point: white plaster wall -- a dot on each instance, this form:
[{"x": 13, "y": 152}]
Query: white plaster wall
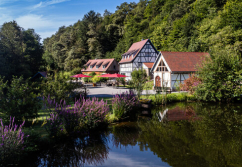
[{"x": 166, "y": 77}]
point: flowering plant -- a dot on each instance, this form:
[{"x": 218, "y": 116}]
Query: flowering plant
[
  {"x": 70, "y": 119},
  {"x": 124, "y": 103},
  {"x": 190, "y": 84},
  {"x": 11, "y": 139}
]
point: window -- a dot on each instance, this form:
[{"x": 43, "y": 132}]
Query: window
[
  {"x": 91, "y": 66},
  {"x": 104, "y": 66},
  {"x": 114, "y": 67},
  {"x": 97, "y": 66}
]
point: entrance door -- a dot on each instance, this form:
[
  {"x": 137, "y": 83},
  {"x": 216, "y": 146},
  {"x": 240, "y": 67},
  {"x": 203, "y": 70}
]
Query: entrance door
[{"x": 157, "y": 81}]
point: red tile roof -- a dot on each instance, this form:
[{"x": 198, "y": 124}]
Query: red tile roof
[
  {"x": 149, "y": 65},
  {"x": 99, "y": 62},
  {"x": 134, "y": 49},
  {"x": 183, "y": 61}
]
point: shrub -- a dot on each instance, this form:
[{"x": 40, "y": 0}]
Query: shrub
[
  {"x": 11, "y": 140},
  {"x": 86, "y": 79},
  {"x": 85, "y": 114},
  {"x": 221, "y": 77},
  {"x": 158, "y": 99},
  {"x": 139, "y": 77},
  {"x": 174, "y": 97},
  {"x": 18, "y": 99},
  {"x": 58, "y": 87},
  {"x": 123, "y": 103},
  {"x": 190, "y": 84},
  {"x": 149, "y": 85},
  {"x": 96, "y": 79},
  {"x": 121, "y": 80}
]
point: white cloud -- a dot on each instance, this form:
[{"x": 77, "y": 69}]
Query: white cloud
[
  {"x": 43, "y": 26},
  {"x": 116, "y": 159},
  {"x": 6, "y": 1},
  {"x": 47, "y": 3},
  {"x": 5, "y": 18}
]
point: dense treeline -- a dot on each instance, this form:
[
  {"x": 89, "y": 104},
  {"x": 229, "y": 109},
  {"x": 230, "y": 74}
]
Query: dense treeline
[
  {"x": 172, "y": 25},
  {"x": 20, "y": 51}
]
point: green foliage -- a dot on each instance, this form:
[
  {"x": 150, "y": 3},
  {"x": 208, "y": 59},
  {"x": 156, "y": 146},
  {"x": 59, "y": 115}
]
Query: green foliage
[
  {"x": 121, "y": 80},
  {"x": 20, "y": 51},
  {"x": 59, "y": 87},
  {"x": 190, "y": 84},
  {"x": 221, "y": 77},
  {"x": 174, "y": 97},
  {"x": 149, "y": 85},
  {"x": 19, "y": 99},
  {"x": 96, "y": 79},
  {"x": 172, "y": 25},
  {"x": 139, "y": 77}
]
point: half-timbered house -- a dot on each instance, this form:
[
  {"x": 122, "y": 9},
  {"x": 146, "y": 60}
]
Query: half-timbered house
[
  {"x": 139, "y": 53},
  {"x": 172, "y": 68}
]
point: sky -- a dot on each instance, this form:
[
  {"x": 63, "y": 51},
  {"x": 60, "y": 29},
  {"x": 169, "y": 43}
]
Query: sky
[{"x": 46, "y": 16}]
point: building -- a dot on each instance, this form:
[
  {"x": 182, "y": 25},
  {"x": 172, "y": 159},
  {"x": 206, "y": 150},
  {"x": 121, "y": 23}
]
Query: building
[
  {"x": 147, "y": 67},
  {"x": 100, "y": 66},
  {"x": 172, "y": 68},
  {"x": 139, "y": 53},
  {"x": 39, "y": 75}
]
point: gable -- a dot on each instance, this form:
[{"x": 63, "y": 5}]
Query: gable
[
  {"x": 147, "y": 54},
  {"x": 160, "y": 65},
  {"x": 136, "y": 48}
]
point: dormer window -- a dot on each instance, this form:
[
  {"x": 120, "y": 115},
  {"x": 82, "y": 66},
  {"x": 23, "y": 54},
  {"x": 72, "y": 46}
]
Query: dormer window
[
  {"x": 125, "y": 57},
  {"x": 104, "y": 67},
  {"x": 91, "y": 66},
  {"x": 97, "y": 66},
  {"x": 132, "y": 55}
]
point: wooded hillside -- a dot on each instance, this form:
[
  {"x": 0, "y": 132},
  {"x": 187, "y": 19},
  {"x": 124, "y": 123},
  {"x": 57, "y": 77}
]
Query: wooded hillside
[{"x": 171, "y": 25}]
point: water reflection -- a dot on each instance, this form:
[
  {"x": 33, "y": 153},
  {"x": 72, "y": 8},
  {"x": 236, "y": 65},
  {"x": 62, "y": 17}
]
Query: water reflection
[
  {"x": 213, "y": 140},
  {"x": 178, "y": 135},
  {"x": 92, "y": 150},
  {"x": 176, "y": 113}
]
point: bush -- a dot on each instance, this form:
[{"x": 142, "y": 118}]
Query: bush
[
  {"x": 157, "y": 99},
  {"x": 19, "y": 99},
  {"x": 139, "y": 77},
  {"x": 221, "y": 77},
  {"x": 59, "y": 87},
  {"x": 121, "y": 80},
  {"x": 174, "y": 97},
  {"x": 96, "y": 79},
  {"x": 149, "y": 85},
  {"x": 11, "y": 140},
  {"x": 190, "y": 84},
  {"x": 123, "y": 103},
  {"x": 85, "y": 114},
  {"x": 86, "y": 79}
]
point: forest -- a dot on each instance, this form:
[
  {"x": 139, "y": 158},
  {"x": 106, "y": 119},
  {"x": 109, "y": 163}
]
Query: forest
[{"x": 171, "y": 25}]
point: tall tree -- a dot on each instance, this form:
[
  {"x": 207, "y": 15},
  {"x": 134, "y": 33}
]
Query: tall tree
[{"x": 20, "y": 51}]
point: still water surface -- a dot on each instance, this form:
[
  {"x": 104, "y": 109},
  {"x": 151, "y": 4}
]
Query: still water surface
[{"x": 179, "y": 135}]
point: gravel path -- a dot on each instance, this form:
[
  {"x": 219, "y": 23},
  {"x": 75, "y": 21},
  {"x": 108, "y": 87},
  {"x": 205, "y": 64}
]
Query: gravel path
[{"x": 103, "y": 91}]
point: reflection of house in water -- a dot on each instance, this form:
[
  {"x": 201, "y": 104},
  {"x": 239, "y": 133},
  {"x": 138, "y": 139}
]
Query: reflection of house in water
[{"x": 178, "y": 114}]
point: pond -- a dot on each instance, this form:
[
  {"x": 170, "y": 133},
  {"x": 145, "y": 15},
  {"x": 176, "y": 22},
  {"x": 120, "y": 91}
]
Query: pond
[{"x": 180, "y": 134}]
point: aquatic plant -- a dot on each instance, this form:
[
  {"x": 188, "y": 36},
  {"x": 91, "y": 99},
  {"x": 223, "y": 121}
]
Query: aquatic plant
[
  {"x": 11, "y": 139},
  {"x": 123, "y": 103}
]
